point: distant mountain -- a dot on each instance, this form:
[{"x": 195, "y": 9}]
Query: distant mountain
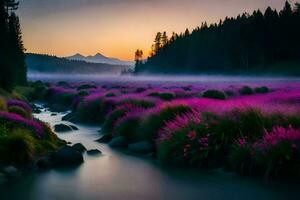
[
  {"x": 99, "y": 58},
  {"x": 52, "y": 64}
]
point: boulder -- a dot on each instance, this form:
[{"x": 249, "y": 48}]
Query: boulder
[
  {"x": 66, "y": 156},
  {"x": 74, "y": 128},
  {"x": 67, "y": 116},
  {"x": 71, "y": 117},
  {"x": 118, "y": 142},
  {"x": 62, "y": 128},
  {"x": 79, "y": 147},
  {"x": 10, "y": 171},
  {"x": 54, "y": 114},
  {"x": 94, "y": 152},
  {"x": 44, "y": 163},
  {"x": 105, "y": 139},
  {"x": 144, "y": 147}
]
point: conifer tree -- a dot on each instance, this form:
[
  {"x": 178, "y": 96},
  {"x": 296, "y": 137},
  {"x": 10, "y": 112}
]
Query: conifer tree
[
  {"x": 164, "y": 39},
  {"x": 12, "y": 57}
]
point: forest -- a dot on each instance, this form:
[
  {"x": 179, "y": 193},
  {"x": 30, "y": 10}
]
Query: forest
[
  {"x": 12, "y": 58},
  {"x": 52, "y": 64},
  {"x": 260, "y": 42}
]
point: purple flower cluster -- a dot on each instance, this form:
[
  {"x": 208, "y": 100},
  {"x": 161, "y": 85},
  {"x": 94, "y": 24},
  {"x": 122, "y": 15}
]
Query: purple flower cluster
[
  {"x": 271, "y": 139},
  {"x": 277, "y": 135},
  {"x": 22, "y": 104},
  {"x": 17, "y": 120},
  {"x": 188, "y": 120},
  {"x": 134, "y": 113}
]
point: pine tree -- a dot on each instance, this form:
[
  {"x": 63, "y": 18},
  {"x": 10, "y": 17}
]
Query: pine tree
[
  {"x": 187, "y": 32},
  {"x": 17, "y": 53},
  {"x": 157, "y": 43},
  {"x": 164, "y": 39},
  {"x": 287, "y": 10},
  {"x": 12, "y": 57},
  {"x": 138, "y": 57},
  {"x": 4, "y": 62}
]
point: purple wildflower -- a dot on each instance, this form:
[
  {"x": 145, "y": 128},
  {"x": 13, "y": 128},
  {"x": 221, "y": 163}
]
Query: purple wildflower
[
  {"x": 37, "y": 127},
  {"x": 19, "y": 103}
]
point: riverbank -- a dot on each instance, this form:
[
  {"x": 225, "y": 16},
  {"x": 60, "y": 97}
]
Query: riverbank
[
  {"x": 28, "y": 144},
  {"x": 115, "y": 175}
]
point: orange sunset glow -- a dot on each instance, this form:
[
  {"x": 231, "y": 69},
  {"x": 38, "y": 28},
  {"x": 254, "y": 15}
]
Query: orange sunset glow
[{"x": 117, "y": 28}]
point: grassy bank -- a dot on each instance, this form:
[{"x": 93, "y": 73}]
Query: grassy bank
[{"x": 22, "y": 137}]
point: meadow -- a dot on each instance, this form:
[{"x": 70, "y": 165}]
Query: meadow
[{"x": 251, "y": 129}]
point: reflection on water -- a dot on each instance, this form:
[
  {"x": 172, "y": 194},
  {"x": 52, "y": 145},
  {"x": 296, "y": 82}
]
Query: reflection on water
[{"x": 115, "y": 175}]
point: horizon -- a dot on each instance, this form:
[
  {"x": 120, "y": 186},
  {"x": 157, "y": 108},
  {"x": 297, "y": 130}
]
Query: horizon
[{"x": 52, "y": 27}]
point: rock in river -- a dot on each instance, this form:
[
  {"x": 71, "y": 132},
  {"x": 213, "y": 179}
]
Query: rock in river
[
  {"x": 79, "y": 147},
  {"x": 105, "y": 138},
  {"x": 44, "y": 163},
  {"x": 62, "y": 128},
  {"x": 118, "y": 142},
  {"x": 93, "y": 152},
  {"x": 144, "y": 147},
  {"x": 71, "y": 117},
  {"x": 66, "y": 156},
  {"x": 74, "y": 128}
]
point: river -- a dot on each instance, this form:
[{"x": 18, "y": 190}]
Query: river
[{"x": 117, "y": 175}]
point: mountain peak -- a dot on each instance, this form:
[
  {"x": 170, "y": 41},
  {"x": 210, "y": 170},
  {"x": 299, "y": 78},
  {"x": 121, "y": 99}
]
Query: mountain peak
[
  {"x": 100, "y": 58},
  {"x": 99, "y": 55},
  {"x": 78, "y": 54}
]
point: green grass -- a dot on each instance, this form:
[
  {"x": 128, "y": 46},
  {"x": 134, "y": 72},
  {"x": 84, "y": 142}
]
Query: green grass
[
  {"x": 23, "y": 92},
  {"x": 17, "y": 147},
  {"x": 167, "y": 96},
  {"x": 214, "y": 94},
  {"x": 154, "y": 122},
  {"x": 246, "y": 90},
  {"x": 3, "y": 106},
  {"x": 20, "y": 111}
]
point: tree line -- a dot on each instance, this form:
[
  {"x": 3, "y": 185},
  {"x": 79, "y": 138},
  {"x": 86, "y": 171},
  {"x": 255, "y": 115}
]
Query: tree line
[
  {"x": 12, "y": 58},
  {"x": 258, "y": 42},
  {"x": 39, "y": 63}
]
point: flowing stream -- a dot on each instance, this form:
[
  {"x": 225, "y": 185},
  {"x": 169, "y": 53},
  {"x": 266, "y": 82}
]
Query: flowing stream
[{"x": 117, "y": 175}]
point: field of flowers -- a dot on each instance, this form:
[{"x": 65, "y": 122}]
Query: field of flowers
[{"x": 252, "y": 129}]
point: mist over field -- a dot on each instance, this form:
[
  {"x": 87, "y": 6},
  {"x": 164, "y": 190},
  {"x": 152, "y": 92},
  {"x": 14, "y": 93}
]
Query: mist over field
[{"x": 158, "y": 78}]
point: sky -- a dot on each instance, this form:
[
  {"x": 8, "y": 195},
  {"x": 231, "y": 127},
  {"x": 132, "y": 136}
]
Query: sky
[{"x": 116, "y": 28}]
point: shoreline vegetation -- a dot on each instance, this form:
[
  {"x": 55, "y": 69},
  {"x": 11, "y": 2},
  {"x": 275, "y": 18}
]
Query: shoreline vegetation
[
  {"x": 25, "y": 142},
  {"x": 252, "y": 130}
]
